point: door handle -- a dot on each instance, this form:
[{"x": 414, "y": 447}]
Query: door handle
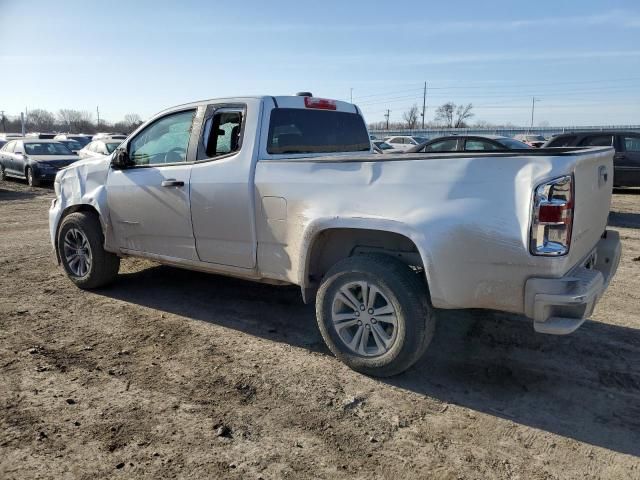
[{"x": 172, "y": 182}]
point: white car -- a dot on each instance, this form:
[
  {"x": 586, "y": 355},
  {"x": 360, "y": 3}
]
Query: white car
[
  {"x": 286, "y": 190},
  {"x": 404, "y": 142},
  {"x": 103, "y": 135},
  {"x": 99, "y": 148},
  {"x": 532, "y": 140}
]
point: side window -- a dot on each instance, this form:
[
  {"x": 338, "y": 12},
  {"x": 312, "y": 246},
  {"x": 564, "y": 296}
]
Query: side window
[
  {"x": 221, "y": 134},
  {"x": 442, "y": 146},
  {"x": 164, "y": 141},
  {"x": 598, "y": 141},
  {"x": 9, "y": 147},
  {"x": 18, "y": 147},
  {"x": 477, "y": 144},
  {"x": 395, "y": 140},
  {"x": 631, "y": 143},
  {"x": 562, "y": 141}
]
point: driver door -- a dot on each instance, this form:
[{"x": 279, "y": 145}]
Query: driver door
[{"x": 149, "y": 201}]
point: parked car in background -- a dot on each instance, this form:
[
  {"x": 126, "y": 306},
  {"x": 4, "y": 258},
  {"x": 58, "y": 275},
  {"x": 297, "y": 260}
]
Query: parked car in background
[
  {"x": 72, "y": 145},
  {"x": 2, "y": 143},
  {"x": 81, "y": 138},
  {"x": 285, "y": 190},
  {"x": 469, "y": 143},
  {"x": 36, "y": 160},
  {"x": 98, "y": 148},
  {"x": 99, "y": 136},
  {"x": 626, "y": 161},
  {"x": 43, "y": 136},
  {"x": 380, "y": 146},
  {"x": 404, "y": 142},
  {"x": 530, "y": 139},
  {"x": 9, "y": 136}
]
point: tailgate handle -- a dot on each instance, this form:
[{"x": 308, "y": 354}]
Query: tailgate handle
[
  {"x": 603, "y": 176},
  {"x": 172, "y": 182}
]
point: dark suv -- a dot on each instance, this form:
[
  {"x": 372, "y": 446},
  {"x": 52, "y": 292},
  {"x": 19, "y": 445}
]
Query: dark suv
[{"x": 626, "y": 162}]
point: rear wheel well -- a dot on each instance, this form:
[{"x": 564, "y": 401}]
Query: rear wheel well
[{"x": 332, "y": 245}]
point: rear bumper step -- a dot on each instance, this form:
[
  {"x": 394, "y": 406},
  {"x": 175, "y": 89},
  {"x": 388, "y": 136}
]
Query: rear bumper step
[{"x": 559, "y": 306}]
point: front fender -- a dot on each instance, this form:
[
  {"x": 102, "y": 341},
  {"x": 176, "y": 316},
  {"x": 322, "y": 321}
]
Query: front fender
[{"x": 82, "y": 186}]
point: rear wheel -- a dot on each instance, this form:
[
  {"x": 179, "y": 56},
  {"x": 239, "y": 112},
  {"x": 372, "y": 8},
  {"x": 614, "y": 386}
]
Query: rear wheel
[
  {"x": 81, "y": 251},
  {"x": 374, "y": 314},
  {"x": 3, "y": 172},
  {"x": 31, "y": 180}
]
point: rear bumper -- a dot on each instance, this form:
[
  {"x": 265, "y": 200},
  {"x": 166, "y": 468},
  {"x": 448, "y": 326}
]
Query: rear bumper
[{"x": 560, "y": 305}]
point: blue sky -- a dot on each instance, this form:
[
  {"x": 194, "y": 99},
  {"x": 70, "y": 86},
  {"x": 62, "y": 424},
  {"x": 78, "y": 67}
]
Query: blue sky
[{"x": 581, "y": 59}]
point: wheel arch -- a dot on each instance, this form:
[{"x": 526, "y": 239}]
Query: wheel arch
[
  {"x": 329, "y": 242},
  {"x": 81, "y": 207}
]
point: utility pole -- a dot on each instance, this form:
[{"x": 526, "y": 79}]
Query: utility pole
[
  {"x": 98, "y": 113},
  {"x": 4, "y": 126},
  {"x": 387, "y": 117},
  {"x": 533, "y": 108},
  {"x": 22, "y": 121},
  {"x": 424, "y": 103},
  {"x": 351, "y": 96}
]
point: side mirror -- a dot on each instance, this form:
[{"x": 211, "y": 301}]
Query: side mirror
[{"x": 120, "y": 159}]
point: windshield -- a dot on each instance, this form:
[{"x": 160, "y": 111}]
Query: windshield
[
  {"x": 383, "y": 146},
  {"x": 81, "y": 140},
  {"x": 512, "y": 143},
  {"x": 111, "y": 146},
  {"x": 50, "y": 148},
  {"x": 420, "y": 139},
  {"x": 297, "y": 130}
]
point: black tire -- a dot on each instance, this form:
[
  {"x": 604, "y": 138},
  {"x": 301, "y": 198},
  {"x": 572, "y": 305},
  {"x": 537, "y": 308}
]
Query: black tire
[
  {"x": 3, "y": 172},
  {"x": 31, "y": 180},
  {"x": 407, "y": 294},
  {"x": 104, "y": 265}
]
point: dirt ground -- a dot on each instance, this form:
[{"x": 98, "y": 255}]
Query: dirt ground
[{"x": 175, "y": 374}]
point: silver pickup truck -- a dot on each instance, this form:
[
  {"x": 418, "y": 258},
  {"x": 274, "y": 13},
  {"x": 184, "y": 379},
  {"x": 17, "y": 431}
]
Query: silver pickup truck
[{"x": 286, "y": 190}]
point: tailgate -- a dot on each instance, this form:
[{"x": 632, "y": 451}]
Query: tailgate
[{"x": 593, "y": 175}]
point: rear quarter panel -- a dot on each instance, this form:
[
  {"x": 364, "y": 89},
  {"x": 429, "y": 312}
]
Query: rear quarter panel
[{"x": 468, "y": 216}]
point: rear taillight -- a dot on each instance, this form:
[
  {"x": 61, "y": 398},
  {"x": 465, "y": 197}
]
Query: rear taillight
[
  {"x": 552, "y": 217},
  {"x": 320, "y": 103}
]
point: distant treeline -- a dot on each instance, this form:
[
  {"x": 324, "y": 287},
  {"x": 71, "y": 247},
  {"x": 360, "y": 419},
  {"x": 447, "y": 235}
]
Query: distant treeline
[{"x": 68, "y": 121}]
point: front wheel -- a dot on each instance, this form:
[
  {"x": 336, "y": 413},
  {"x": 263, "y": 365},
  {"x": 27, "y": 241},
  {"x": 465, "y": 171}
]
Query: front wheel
[
  {"x": 32, "y": 181},
  {"x": 374, "y": 314},
  {"x": 81, "y": 251}
]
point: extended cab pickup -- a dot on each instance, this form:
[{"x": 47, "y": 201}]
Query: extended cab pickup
[{"x": 286, "y": 190}]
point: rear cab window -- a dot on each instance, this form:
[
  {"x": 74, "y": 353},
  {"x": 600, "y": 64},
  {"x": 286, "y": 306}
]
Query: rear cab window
[{"x": 295, "y": 131}]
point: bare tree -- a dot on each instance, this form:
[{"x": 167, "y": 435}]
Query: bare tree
[
  {"x": 40, "y": 120},
  {"x": 410, "y": 117},
  {"x": 444, "y": 114},
  {"x": 133, "y": 120},
  {"x": 76, "y": 121},
  {"x": 463, "y": 112}
]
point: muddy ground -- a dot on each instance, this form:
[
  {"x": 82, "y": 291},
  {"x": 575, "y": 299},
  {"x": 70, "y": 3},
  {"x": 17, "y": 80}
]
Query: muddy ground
[{"x": 175, "y": 374}]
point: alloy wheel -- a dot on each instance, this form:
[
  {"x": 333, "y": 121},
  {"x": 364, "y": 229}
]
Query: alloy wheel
[{"x": 364, "y": 319}]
